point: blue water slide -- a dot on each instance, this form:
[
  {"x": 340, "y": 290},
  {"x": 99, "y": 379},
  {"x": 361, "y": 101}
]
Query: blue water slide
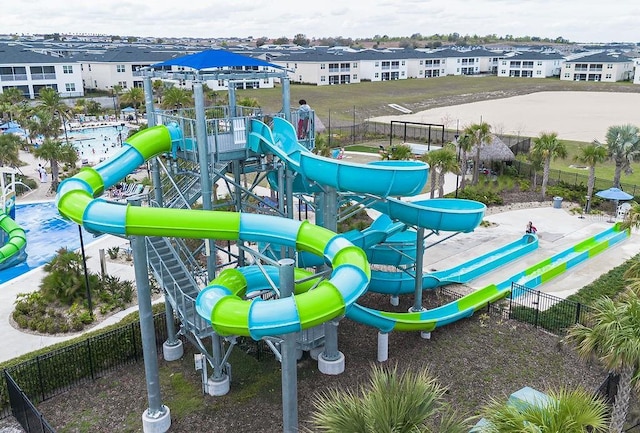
[
  {"x": 397, "y": 283},
  {"x": 382, "y": 178},
  {"x": 531, "y": 277}
]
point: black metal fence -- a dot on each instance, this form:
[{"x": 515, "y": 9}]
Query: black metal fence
[
  {"x": 46, "y": 376},
  {"x": 542, "y": 310},
  {"x": 365, "y": 132},
  {"x": 24, "y": 411},
  {"x": 572, "y": 178}
]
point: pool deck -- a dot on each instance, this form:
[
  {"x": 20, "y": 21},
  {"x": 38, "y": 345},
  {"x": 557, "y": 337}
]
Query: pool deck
[{"x": 558, "y": 229}]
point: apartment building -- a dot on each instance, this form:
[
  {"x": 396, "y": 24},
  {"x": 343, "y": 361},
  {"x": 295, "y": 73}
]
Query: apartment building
[
  {"x": 531, "y": 65},
  {"x": 31, "y": 72},
  {"x": 608, "y": 67}
]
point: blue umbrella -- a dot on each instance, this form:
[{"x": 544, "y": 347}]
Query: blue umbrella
[{"x": 614, "y": 194}]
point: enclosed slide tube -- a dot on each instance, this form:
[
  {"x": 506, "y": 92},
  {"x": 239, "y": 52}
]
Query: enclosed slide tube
[
  {"x": 14, "y": 249},
  {"x": 229, "y": 314},
  {"x": 532, "y": 277}
]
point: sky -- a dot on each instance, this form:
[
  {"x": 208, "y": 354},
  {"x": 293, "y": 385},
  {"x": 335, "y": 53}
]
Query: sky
[{"x": 577, "y": 21}]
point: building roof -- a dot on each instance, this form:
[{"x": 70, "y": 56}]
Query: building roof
[
  {"x": 17, "y": 54},
  {"x": 601, "y": 58},
  {"x": 531, "y": 55},
  {"x": 128, "y": 55}
]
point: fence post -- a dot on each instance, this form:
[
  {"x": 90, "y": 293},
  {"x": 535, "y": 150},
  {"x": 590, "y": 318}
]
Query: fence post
[
  {"x": 537, "y": 304},
  {"x": 90, "y": 359},
  {"x": 40, "y": 378},
  {"x": 133, "y": 341},
  {"x": 577, "y": 313}
]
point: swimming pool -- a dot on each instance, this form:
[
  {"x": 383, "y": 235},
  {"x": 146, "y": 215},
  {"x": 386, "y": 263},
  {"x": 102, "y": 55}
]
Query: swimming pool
[
  {"x": 97, "y": 144},
  {"x": 46, "y": 232}
]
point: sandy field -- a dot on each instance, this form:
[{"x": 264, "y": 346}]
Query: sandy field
[{"x": 580, "y": 116}]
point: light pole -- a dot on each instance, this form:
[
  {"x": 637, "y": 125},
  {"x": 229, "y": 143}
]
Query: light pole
[
  {"x": 458, "y": 161},
  {"x": 119, "y": 128}
]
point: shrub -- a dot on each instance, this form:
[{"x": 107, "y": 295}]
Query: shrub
[{"x": 113, "y": 252}]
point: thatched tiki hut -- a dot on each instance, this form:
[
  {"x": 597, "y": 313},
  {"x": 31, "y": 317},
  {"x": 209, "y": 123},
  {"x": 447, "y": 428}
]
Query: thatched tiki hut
[{"x": 493, "y": 154}]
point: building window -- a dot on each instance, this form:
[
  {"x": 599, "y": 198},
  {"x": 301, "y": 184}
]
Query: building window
[
  {"x": 120, "y": 68},
  {"x": 376, "y": 75},
  {"x": 402, "y": 73},
  {"x": 538, "y": 72},
  {"x": 355, "y": 65},
  {"x": 323, "y": 78},
  {"x": 567, "y": 75},
  {"x": 355, "y": 76},
  {"x": 299, "y": 77},
  {"x": 568, "y": 65},
  {"x": 608, "y": 76},
  {"x": 403, "y": 63},
  {"x": 421, "y": 62},
  {"x": 67, "y": 69},
  {"x": 539, "y": 62},
  {"x": 609, "y": 65},
  {"x": 322, "y": 66},
  {"x": 122, "y": 84},
  {"x": 503, "y": 72},
  {"x": 70, "y": 87},
  {"x": 376, "y": 64}
]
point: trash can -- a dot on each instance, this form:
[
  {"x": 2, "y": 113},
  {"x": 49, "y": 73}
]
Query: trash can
[{"x": 557, "y": 202}]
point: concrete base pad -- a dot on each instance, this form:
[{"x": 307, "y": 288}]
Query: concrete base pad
[
  {"x": 172, "y": 352},
  {"x": 158, "y": 424},
  {"x": 218, "y": 387},
  {"x": 333, "y": 367}
]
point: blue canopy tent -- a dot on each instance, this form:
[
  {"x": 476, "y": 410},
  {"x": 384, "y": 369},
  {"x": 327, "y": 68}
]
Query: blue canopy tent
[
  {"x": 615, "y": 194},
  {"x": 209, "y": 59}
]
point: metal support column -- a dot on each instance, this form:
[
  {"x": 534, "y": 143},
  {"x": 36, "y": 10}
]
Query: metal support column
[
  {"x": 417, "y": 296},
  {"x": 203, "y": 159},
  {"x": 289, "y": 356},
  {"x": 157, "y": 415},
  {"x": 151, "y": 121},
  {"x": 286, "y": 96}
]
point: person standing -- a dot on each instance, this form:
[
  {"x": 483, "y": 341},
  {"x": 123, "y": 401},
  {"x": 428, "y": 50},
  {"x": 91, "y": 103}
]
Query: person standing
[{"x": 304, "y": 112}]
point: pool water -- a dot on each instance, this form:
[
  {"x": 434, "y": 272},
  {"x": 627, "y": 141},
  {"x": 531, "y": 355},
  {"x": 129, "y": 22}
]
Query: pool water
[
  {"x": 46, "y": 232},
  {"x": 96, "y": 144}
]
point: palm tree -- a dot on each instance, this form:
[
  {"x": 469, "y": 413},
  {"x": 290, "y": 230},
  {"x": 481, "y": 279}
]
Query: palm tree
[
  {"x": 10, "y": 150},
  {"x": 135, "y": 97},
  {"x": 591, "y": 155},
  {"x": 441, "y": 162},
  {"x": 393, "y": 401},
  {"x": 116, "y": 91},
  {"x": 50, "y": 101},
  {"x": 400, "y": 152},
  {"x": 175, "y": 97},
  {"x": 465, "y": 143},
  {"x": 564, "y": 411},
  {"x": 480, "y": 135},
  {"x": 56, "y": 152},
  {"x": 43, "y": 122},
  {"x": 548, "y": 147},
  {"x": 614, "y": 338},
  {"x": 9, "y": 99},
  {"x": 623, "y": 146}
]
